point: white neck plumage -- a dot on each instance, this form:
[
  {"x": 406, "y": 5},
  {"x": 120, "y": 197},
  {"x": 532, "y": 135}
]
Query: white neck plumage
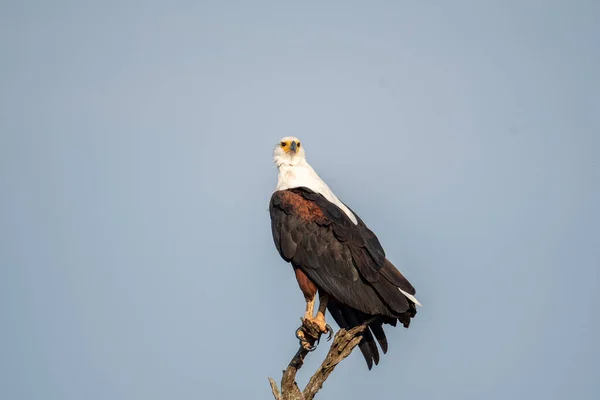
[{"x": 298, "y": 173}]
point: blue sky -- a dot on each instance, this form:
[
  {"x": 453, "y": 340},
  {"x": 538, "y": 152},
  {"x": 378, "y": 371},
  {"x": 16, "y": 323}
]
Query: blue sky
[{"x": 135, "y": 170}]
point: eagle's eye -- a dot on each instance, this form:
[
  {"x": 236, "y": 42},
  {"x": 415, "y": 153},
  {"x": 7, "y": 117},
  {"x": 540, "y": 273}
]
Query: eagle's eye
[
  {"x": 298, "y": 144},
  {"x": 283, "y": 144}
]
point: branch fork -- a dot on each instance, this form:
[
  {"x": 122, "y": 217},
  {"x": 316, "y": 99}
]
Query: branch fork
[{"x": 343, "y": 343}]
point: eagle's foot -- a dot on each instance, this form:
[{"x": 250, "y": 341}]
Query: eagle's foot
[
  {"x": 324, "y": 327},
  {"x": 309, "y": 334},
  {"x": 307, "y": 343}
]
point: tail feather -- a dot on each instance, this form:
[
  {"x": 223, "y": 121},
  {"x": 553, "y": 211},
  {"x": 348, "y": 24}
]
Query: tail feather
[
  {"x": 377, "y": 329},
  {"x": 348, "y": 318}
]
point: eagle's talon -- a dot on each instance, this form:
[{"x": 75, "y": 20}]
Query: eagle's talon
[
  {"x": 300, "y": 338},
  {"x": 329, "y": 331},
  {"x": 309, "y": 348}
]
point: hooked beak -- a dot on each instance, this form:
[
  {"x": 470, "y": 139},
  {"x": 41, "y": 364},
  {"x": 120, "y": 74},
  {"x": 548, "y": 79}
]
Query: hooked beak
[{"x": 293, "y": 146}]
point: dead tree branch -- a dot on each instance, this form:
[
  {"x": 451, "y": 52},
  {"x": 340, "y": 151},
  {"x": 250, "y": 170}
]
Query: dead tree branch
[
  {"x": 343, "y": 343},
  {"x": 274, "y": 389}
]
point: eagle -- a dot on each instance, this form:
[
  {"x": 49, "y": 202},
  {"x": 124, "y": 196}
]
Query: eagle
[{"x": 335, "y": 255}]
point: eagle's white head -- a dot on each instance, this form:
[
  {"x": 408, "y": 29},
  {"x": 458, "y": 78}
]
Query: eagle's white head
[
  {"x": 294, "y": 172},
  {"x": 289, "y": 151}
]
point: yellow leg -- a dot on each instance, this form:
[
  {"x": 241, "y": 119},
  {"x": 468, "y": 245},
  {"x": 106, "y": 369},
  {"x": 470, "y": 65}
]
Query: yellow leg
[
  {"x": 319, "y": 321},
  {"x": 310, "y": 307},
  {"x": 320, "y": 318}
]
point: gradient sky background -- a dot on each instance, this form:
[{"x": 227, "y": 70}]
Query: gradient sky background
[{"x": 135, "y": 173}]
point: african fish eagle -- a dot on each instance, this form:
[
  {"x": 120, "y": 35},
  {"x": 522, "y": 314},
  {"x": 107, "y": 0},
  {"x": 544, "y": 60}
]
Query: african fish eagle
[{"x": 334, "y": 254}]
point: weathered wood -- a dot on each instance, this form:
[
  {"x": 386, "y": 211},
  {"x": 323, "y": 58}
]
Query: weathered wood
[
  {"x": 274, "y": 389},
  {"x": 343, "y": 344}
]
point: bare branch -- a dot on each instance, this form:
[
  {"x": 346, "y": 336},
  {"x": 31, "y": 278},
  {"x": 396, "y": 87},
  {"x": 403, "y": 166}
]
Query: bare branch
[
  {"x": 289, "y": 387},
  {"x": 343, "y": 344},
  {"x": 274, "y": 389}
]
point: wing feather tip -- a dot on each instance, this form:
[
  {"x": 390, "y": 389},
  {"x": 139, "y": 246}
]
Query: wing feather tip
[{"x": 411, "y": 297}]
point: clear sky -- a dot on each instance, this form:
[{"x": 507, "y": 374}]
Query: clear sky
[{"x": 136, "y": 258}]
